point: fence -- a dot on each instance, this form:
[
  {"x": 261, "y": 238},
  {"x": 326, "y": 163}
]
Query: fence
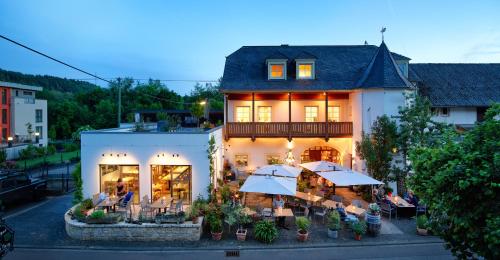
[{"x": 59, "y": 178}]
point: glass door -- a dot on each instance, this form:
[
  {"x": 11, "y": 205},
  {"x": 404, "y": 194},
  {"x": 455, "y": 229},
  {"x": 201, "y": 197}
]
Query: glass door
[{"x": 171, "y": 181}]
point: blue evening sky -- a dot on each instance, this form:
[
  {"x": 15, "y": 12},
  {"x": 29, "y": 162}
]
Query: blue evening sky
[{"x": 190, "y": 39}]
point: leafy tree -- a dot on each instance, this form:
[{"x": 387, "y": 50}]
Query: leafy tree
[
  {"x": 77, "y": 177},
  {"x": 76, "y": 135},
  {"x": 377, "y": 148},
  {"x": 197, "y": 110},
  {"x": 459, "y": 181}
]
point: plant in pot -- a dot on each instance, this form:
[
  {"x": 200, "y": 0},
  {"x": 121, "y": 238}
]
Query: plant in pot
[
  {"x": 373, "y": 219},
  {"x": 333, "y": 222},
  {"x": 422, "y": 223},
  {"x": 302, "y": 228},
  {"x": 265, "y": 231},
  {"x": 359, "y": 229},
  {"x": 235, "y": 215},
  {"x": 194, "y": 213},
  {"x": 215, "y": 228}
]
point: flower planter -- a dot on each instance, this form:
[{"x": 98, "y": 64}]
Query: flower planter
[
  {"x": 194, "y": 220},
  {"x": 422, "y": 231},
  {"x": 241, "y": 234},
  {"x": 333, "y": 233},
  {"x": 216, "y": 236},
  {"x": 302, "y": 236},
  {"x": 357, "y": 237}
]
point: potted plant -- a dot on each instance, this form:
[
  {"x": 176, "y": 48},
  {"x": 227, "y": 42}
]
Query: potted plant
[
  {"x": 194, "y": 213},
  {"x": 214, "y": 216},
  {"x": 422, "y": 225},
  {"x": 373, "y": 219},
  {"x": 333, "y": 223},
  {"x": 359, "y": 229},
  {"x": 265, "y": 231},
  {"x": 302, "y": 228}
]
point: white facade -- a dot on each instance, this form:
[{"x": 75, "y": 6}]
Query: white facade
[
  {"x": 457, "y": 115},
  {"x": 143, "y": 149},
  {"x": 24, "y": 112}
]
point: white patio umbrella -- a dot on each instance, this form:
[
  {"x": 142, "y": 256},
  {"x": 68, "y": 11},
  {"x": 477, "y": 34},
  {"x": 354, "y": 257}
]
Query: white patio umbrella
[
  {"x": 270, "y": 185},
  {"x": 323, "y": 166},
  {"x": 279, "y": 170},
  {"x": 348, "y": 178}
]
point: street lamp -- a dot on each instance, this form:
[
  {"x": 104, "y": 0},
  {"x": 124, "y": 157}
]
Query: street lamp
[
  {"x": 37, "y": 137},
  {"x": 9, "y": 140}
]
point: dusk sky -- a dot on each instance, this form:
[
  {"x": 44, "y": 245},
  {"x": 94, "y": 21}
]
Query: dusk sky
[{"x": 189, "y": 40}]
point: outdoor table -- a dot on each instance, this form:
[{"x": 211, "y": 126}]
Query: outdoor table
[
  {"x": 280, "y": 214},
  {"x": 400, "y": 202},
  {"x": 308, "y": 197},
  {"x": 355, "y": 210},
  {"x": 109, "y": 203},
  {"x": 332, "y": 204},
  {"x": 162, "y": 203},
  {"x": 403, "y": 207}
]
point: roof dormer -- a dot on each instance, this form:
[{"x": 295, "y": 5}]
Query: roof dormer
[
  {"x": 305, "y": 66},
  {"x": 276, "y": 66}
]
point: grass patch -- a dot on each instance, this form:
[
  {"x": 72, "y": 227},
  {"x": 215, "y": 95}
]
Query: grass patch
[{"x": 50, "y": 159}]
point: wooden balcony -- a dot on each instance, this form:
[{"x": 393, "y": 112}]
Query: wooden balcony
[{"x": 288, "y": 129}]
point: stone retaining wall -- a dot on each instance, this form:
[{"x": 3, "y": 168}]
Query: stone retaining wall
[{"x": 133, "y": 232}]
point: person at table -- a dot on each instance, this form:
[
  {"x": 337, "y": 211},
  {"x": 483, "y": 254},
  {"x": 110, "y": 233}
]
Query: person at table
[
  {"x": 279, "y": 203},
  {"x": 120, "y": 188},
  {"x": 412, "y": 198}
]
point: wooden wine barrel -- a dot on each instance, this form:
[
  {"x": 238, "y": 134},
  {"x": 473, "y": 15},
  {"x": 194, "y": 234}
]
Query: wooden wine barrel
[{"x": 373, "y": 224}]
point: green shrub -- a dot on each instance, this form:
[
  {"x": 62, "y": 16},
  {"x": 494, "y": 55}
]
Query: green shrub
[
  {"x": 301, "y": 185},
  {"x": 98, "y": 214},
  {"x": 225, "y": 193},
  {"x": 333, "y": 220},
  {"x": 422, "y": 221},
  {"x": 214, "y": 216},
  {"x": 77, "y": 177},
  {"x": 265, "y": 231},
  {"x": 359, "y": 228},
  {"x": 69, "y": 147},
  {"x": 79, "y": 213},
  {"x": 302, "y": 224},
  {"x": 87, "y": 204},
  {"x": 51, "y": 149}
]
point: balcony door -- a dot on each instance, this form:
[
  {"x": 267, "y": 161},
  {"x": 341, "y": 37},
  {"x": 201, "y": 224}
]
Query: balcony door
[{"x": 320, "y": 153}]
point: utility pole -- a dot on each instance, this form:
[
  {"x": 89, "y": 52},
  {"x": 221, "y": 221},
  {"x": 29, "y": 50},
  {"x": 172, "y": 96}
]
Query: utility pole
[{"x": 119, "y": 104}]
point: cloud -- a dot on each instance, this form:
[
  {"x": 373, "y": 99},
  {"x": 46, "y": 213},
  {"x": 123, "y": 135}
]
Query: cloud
[{"x": 486, "y": 51}]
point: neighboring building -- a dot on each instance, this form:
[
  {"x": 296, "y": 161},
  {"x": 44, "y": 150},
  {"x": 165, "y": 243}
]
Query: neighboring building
[
  {"x": 20, "y": 108},
  {"x": 284, "y": 103},
  {"x": 459, "y": 93}
]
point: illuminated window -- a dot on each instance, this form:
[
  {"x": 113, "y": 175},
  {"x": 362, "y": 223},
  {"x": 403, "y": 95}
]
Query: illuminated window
[
  {"x": 311, "y": 114},
  {"x": 334, "y": 114},
  {"x": 241, "y": 160},
  {"x": 305, "y": 69},
  {"x": 273, "y": 159},
  {"x": 265, "y": 114},
  {"x": 242, "y": 114},
  {"x": 277, "y": 70}
]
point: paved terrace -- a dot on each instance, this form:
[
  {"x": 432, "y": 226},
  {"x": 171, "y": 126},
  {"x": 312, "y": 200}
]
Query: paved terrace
[{"x": 42, "y": 226}]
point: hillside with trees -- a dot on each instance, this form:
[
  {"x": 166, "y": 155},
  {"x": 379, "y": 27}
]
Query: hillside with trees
[{"x": 73, "y": 103}]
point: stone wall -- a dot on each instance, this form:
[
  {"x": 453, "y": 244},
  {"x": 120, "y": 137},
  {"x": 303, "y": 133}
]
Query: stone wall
[{"x": 134, "y": 232}]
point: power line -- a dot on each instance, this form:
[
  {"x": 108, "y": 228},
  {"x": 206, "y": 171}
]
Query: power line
[
  {"x": 94, "y": 76},
  {"x": 54, "y": 59},
  {"x": 165, "y": 80}
]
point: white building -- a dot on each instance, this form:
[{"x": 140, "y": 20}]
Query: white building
[{"x": 301, "y": 103}]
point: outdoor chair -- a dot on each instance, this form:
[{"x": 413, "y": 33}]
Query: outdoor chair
[
  {"x": 146, "y": 207},
  {"x": 320, "y": 211},
  {"x": 96, "y": 200},
  {"x": 125, "y": 206},
  {"x": 337, "y": 198},
  {"x": 422, "y": 209},
  {"x": 357, "y": 203},
  {"x": 387, "y": 208}
]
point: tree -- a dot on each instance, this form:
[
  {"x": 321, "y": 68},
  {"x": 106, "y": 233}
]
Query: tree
[
  {"x": 76, "y": 135},
  {"x": 77, "y": 176},
  {"x": 197, "y": 110},
  {"x": 377, "y": 148},
  {"x": 459, "y": 181}
]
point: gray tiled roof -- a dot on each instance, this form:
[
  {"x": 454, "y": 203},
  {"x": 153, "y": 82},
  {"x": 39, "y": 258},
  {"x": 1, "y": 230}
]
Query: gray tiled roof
[
  {"x": 449, "y": 85},
  {"x": 383, "y": 72},
  {"x": 337, "y": 68}
]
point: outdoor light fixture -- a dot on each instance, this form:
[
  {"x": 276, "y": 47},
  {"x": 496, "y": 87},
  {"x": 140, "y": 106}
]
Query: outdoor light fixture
[
  {"x": 110, "y": 154},
  {"x": 289, "y": 159},
  {"x": 102, "y": 155},
  {"x": 10, "y": 138},
  {"x": 203, "y": 103}
]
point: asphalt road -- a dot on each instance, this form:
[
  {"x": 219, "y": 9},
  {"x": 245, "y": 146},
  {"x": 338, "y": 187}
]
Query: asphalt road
[{"x": 413, "y": 251}]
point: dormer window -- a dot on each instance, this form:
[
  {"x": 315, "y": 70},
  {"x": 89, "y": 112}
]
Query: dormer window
[
  {"x": 276, "y": 69},
  {"x": 305, "y": 69}
]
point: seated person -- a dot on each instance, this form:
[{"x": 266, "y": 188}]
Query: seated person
[
  {"x": 342, "y": 212},
  {"x": 412, "y": 198},
  {"x": 120, "y": 188}
]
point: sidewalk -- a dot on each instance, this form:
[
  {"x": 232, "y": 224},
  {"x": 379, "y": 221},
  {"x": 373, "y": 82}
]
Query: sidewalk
[{"x": 43, "y": 227}]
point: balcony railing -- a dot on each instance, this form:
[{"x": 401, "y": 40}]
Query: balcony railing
[{"x": 288, "y": 129}]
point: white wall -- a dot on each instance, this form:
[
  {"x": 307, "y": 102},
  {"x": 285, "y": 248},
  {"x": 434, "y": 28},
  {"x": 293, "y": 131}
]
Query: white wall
[
  {"x": 142, "y": 149},
  {"x": 261, "y": 147},
  {"x": 458, "y": 115},
  {"x": 23, "y": 113},
  {"x": 279, "y": 109}
]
